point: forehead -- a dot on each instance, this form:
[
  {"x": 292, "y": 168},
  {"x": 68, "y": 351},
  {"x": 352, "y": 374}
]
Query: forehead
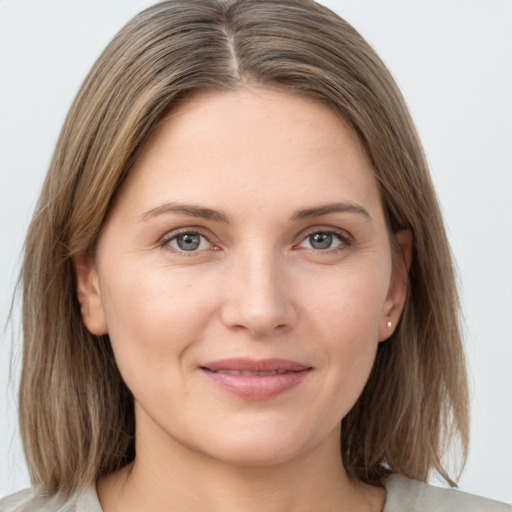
[{"x": 263, "y": 145}]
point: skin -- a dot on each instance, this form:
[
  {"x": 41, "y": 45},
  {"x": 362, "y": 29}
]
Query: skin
[{"x": 258, "y": 286}]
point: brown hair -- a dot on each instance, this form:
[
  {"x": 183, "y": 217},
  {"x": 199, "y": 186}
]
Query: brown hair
[{"x": 76, "y": 414}]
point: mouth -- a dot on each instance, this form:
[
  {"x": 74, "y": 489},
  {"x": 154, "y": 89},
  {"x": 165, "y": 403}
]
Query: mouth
[
  {"x": 248, "y": 373},
  {"x": 256, "y": 379}
]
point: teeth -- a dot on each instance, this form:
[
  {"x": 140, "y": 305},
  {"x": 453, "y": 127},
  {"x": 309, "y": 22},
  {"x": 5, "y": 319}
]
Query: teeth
[{"x": 248, "y": 373}]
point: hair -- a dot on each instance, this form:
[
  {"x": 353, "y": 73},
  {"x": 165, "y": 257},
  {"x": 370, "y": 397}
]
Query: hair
[{"x": 76, "y": 413}]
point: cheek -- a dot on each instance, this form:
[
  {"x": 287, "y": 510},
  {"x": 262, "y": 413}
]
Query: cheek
[
  {"x": 351, "y": 356},
  {"x": 348, "y": 303},
  {"x": 346, "y": 322},
  {"x": 153, "y": 320}
]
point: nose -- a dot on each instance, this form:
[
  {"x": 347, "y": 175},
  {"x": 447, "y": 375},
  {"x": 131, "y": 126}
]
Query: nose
[{"x": 258, "y": 297}]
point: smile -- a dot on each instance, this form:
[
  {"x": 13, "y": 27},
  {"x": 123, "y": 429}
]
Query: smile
[
  {"x": 248, "y": 373},
  {"x": 255, "y": 379}
]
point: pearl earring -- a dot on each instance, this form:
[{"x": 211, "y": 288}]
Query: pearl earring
[{"x": 390, "y": 324}]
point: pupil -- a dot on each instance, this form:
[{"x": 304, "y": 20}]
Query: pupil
[
  {"x": 321, "y": 240},
  {"x": 188, "y": 241}
]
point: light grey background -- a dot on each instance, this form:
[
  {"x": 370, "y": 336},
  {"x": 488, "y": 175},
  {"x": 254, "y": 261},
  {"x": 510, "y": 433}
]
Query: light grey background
[{"x": 453, "y": 61}]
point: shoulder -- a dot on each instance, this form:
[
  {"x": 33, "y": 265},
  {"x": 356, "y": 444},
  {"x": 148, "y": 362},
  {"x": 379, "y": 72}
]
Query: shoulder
[
  {"x": 406, "y": 495},
  {"x": 37, "y": 500}
]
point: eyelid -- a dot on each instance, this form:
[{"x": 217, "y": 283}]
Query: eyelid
[
  {"x": 170, "y": 235},
  {"x": 346, "y": 238},
  {"x": 343, "y": 233}
]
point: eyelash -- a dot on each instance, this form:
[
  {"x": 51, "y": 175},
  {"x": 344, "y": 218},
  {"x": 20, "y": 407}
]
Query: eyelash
[
  {"x": 346, "y": 241},
  {"x": 165, "y": 241}
]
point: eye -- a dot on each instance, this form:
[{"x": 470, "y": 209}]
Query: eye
[
  {"x": 189, "y": 242},
  {"x": 323, "y": 240}
]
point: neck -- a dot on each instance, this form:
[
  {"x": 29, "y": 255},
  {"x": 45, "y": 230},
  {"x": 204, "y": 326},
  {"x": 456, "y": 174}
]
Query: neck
[{"x": 172, "y": 477}]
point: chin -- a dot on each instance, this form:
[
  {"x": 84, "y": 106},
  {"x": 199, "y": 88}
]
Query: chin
[
  {"x": 265, "y": 445},
  {"x": 264, "y": 453}
]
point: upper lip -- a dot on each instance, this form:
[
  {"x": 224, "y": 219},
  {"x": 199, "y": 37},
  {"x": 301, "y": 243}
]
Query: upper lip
[{"x": 255, "y": 365}]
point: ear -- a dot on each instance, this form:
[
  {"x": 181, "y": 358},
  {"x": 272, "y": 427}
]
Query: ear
[
  {"x": 89, "y": 295},
  {"x": 397, "y": 293}
]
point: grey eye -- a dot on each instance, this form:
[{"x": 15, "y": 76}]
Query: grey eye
[
  {"x": 321, "y": 240},
  {"x": 189, "y": 242}
]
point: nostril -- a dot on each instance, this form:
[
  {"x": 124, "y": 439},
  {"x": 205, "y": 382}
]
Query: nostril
[{"x": 257, "y": 300}]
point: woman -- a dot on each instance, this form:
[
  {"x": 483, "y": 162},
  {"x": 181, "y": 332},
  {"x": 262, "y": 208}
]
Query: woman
[{"x": 238, "y": 221}]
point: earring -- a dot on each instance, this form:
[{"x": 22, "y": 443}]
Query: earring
[{"x": 389, "y": 324}]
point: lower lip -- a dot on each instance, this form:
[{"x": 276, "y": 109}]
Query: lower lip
[{"x": 257, "y": 387}]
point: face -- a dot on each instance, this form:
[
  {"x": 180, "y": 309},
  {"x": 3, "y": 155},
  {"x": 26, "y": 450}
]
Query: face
[{"x": 245, "y": 278}]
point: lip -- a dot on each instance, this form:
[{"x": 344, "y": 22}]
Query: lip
[{"x": 256, "y": 379}]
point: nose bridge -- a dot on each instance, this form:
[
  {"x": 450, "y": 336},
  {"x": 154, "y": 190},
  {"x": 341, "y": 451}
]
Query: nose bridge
[{"x": 259, "y": 298}]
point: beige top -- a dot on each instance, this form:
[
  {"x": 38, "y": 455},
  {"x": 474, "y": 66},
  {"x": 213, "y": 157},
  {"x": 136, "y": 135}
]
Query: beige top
[{"x": 403, "y": 495}]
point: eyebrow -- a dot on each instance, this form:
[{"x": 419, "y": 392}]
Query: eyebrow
[
  {"x": 190, "y": 210},
  {"x": 325, "y": 209}
]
